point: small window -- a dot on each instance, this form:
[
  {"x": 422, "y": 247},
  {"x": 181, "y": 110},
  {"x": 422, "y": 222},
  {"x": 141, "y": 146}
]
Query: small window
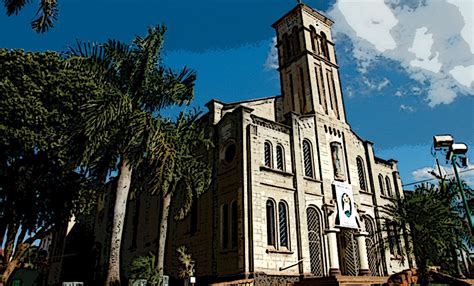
[
  {"x": 280, "y": 158},
  {"x": 224, "y": 226},
  {"x": 389, "y": 186},
  {"x": 313, "y": 39},
  {"x": 234, "y": 224},
  {"x": 321, "y": 89},
  {"x": 361, "y": 173},
  {"x": 287, "y": 47},
  {"x": 324, "y": 46},
  {"x": 283, "y": 224},
  {"x": 381, "y": 185},
  {"x": 296, "y": 40},
  {"x": 268, "y": 154},
  {"x": 271, "y": 223},
  {"x": 307, "y": 159}
]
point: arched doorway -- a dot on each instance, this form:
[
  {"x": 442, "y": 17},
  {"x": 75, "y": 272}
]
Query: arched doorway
[
  {"x": 373, "y": 254},
  {"x": 349, "y": 252}
]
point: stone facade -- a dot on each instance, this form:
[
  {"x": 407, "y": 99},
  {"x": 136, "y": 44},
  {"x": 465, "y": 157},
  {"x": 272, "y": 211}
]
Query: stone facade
[{"x": 272, "y": 209}]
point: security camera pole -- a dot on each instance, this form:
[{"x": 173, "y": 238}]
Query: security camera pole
[
  {"x": 455, "y": 151},
  {"x": 464, "y": 199}
]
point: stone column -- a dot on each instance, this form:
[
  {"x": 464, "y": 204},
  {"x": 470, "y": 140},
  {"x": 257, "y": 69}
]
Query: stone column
[
  {"x": 364, "y": 262},
  {"x": 333, "y": 254}
]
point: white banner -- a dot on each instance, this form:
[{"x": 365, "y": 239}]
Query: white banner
[{"x": 345, "y": 205}]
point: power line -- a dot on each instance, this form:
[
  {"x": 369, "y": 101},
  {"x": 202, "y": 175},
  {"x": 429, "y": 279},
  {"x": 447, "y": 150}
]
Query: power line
[{"x": 427, "y": 180}]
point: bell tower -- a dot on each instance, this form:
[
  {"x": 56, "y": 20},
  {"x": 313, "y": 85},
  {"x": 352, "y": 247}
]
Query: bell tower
[{"x": 307, "y": 64}]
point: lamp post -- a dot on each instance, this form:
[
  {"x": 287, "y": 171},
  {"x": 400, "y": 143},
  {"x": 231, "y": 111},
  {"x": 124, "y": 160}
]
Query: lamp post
[{"x": 455, "y": 152}]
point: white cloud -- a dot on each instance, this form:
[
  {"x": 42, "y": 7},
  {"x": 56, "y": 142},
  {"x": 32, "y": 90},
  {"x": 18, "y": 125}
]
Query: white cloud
[
  {"x": 374, "y": 26},
  {"x": 464, "y": 75},
  {"x": 407, "y": 108},
  {"x": 399, "y": 93},
  {"x": 376, "y": 85},
  {"x": 422, "y": 174},
  {"x": 383, "y": 84},
  {"x": 422, "y": 49},
  {"x": 432, "y": 41},
  {"x": 467, "y": 11},
  {"x": 416, "y": 90},
  {"x": 272, "y": 58}
]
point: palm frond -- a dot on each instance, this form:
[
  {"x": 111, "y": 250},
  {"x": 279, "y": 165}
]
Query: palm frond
[
  {"x": 14, "y": 6},
  {"x": 47, "y": 13},
  {"x": 172, "y": 89},
  {"x": 93, "y": 58}
]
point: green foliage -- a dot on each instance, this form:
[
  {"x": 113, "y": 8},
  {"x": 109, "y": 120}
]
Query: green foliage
[
  {"x": 34, "y": 258},
  {"x": 124, "y": 122},
  {"x": 123, "y": 126},
  {"x": 46, "y": 14},
  {"x": 187, "y": 263},
  {"x": 144, "y": 267},
  {"x": 177, "y": 161},
  {"x": 39, "y": 109},
  {"x": 433, "y": 221}
]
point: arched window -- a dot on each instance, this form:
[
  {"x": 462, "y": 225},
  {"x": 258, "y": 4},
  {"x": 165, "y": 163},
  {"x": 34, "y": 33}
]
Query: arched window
[
  {"x": 315, "y": 241},
  {"x": 324, "y": 45},
  {"x": 268, "y": 154},
  {"x": 307, "y": 158},
  {"x": 233, "y": 209},
  {"x": 271, "y": 223},
  {"x": 286, "y": 47},
  {"x": 283, "y": 223},
  {"x": 296, "y": 40},
  {"x": 381, "y": 185},
  {"x": 361, "y": 172},
  {"x": 224, "y": 226},
  {"x": 314, "y": 43},
  {"x": 389, "y": 186},
  {"x": 280, "y": 158}
]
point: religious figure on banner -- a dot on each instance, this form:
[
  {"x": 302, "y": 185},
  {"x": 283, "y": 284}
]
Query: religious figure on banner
[{"x": 346, "y": 211}]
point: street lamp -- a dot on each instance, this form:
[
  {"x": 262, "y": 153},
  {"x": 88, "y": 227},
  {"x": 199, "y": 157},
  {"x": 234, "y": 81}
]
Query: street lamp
[{"x": 456, "y": 154}]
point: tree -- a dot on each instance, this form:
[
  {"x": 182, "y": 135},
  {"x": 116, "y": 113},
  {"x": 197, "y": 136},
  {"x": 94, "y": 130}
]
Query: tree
[
  {"x": 431, "y": 222},
  {"x": 144, "y": 267},
  {"x": 120, "y": 126},
  {"x": 179, "y": 170},
  {"x": 46, "y": 14},
  {"x": 38, "y": 183}
]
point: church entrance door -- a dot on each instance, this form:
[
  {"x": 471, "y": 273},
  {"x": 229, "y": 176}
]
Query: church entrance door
[{"x": 348, "y": 252}]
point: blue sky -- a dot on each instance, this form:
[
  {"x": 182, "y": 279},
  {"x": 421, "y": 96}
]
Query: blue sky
[{"x": 406, "y": 73}]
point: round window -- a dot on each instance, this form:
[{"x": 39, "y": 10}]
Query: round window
[{"x": 229, "y": 153}]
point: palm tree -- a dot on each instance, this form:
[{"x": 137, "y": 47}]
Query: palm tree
[
  {"x": 46, "y": 15},
  {"x": 431, "y": 225},
  {"x": 179, "y": 169},
  {"x": 119, "y": 127}
]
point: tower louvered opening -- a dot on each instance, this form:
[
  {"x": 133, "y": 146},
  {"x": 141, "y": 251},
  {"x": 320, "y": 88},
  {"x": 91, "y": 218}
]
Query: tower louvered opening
[{"x": 307, "y": 158}]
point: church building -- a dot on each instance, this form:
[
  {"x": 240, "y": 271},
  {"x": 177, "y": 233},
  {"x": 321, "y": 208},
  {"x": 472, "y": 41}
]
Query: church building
[{"x": 295, "y": 192}]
